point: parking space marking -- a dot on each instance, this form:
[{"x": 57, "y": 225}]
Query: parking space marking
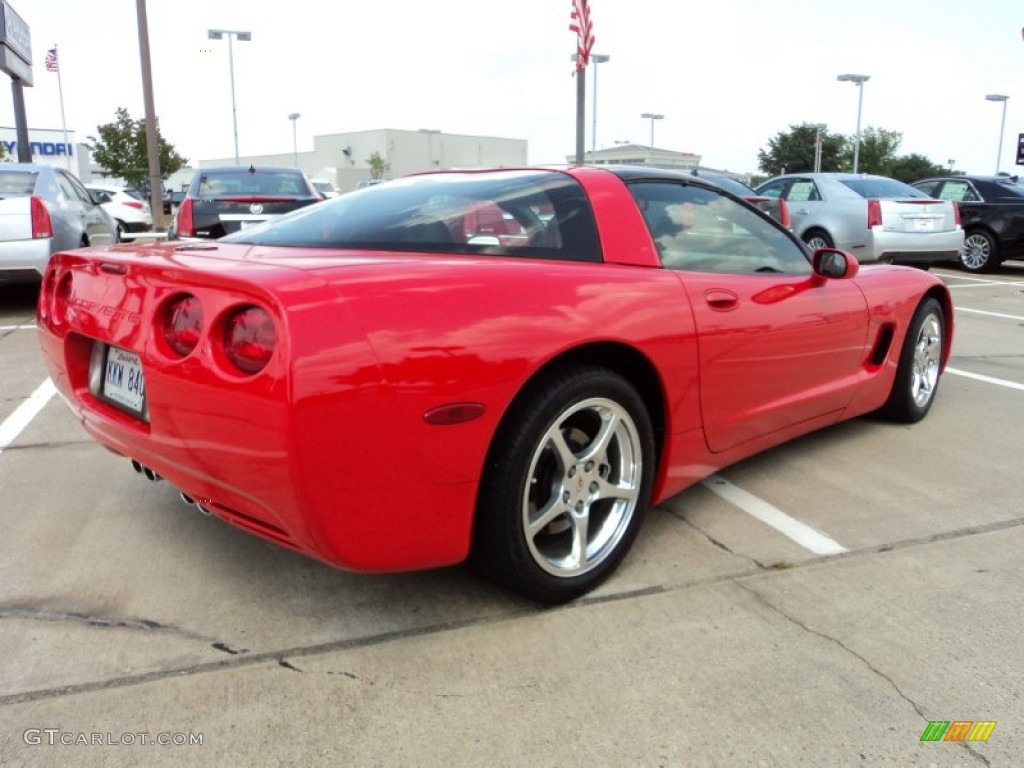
[
  {"x": 989, "y": 314},
  {"x": 986, "y": 379},
  {"x": 18, "y": 327},
  {"x": 13, "y": 425},
  {"x": 807, "y": 537}
]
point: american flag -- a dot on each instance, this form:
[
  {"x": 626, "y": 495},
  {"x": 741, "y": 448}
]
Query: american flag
[
  {"x": 579, "y": 22},
  {"x": 51, "y": 60}
]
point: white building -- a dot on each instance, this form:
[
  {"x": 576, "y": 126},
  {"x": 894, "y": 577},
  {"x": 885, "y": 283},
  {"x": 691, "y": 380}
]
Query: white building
[
  {"x": 48, "y": 147},
  {"x": 638, "y": 154},
  {"x": 343, "y": 158}
]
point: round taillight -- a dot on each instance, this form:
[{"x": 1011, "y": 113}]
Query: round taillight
[
  {"x": 62, "y": 299},
  {"x": 249, "y": 339},
  {"x": 183, "y": 324}
]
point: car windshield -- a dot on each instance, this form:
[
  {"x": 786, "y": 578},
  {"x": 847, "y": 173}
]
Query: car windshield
[
  {"x": 252, "y": 183},
  {"x": 885, "y": 189},
  {"x": 17, "y": 183},
  {"x": 132, "y": 192},
  {"x": 542, "y": 214}
]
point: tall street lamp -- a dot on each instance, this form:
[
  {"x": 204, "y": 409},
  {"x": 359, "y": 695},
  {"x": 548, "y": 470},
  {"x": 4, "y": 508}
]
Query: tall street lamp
[
  {"x": 819, "y": 129},
  {"x": 652, "y": 117},
  {"x": 859, "y": 81},
  {"x": 1002, "y": 125},
  {"x": 294, "y": 117},
  {"x": 245, "y": 37}
]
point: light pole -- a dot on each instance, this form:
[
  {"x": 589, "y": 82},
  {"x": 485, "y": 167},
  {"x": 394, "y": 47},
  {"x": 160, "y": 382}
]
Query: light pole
[
  {"x": 652, "y": 117},
  {"x": 859, "y": 81},
  {"x": 818, "y": 129},
  {"x": 294, "y": 116},
  {"x": 1002, "y": 125},
  {"x": 951, "y": 161},
  {"x": 245, "y": 37}
]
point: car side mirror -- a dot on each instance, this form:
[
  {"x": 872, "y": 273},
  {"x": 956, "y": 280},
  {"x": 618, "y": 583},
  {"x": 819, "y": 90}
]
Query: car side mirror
[{"x": 834, "y": 264}]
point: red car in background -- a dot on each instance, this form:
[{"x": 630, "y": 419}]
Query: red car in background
[{"x": 380, "y": 382}]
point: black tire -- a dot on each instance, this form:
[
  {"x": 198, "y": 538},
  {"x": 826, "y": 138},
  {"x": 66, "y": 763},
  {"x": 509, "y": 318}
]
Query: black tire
[
  {"x": 918, "y": 374},
  {"x": 980, "y": 252},
  {"x": 119, "y": 232},
  {"x": 817, "y": 238},
  {"x": 539, "y": 460}
]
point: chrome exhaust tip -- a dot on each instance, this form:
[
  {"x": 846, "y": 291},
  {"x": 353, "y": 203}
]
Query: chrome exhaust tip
[
  {"x": 151, "y": 475},
  {"x": 188, "y": 499},
  {"x": 204, "y": 510}
]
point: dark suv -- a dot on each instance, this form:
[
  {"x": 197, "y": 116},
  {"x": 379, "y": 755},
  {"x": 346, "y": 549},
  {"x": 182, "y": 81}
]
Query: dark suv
[{"x": 220, "y": 201}]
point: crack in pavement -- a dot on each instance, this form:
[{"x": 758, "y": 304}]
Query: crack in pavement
[
  {"x": 721, "y": 545},
  {"x": 144, "y": 625},
  {"x": 244, "y": 658},
  {"x": 860, "y": 657}
]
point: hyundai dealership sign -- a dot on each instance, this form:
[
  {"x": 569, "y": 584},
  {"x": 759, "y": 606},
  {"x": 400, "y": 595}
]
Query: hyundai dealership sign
[{"x": 47, "y": 146}]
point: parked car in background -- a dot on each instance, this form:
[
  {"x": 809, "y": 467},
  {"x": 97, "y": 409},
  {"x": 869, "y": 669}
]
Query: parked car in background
[
  {"x": 223, "y": 200},
  {"x": 992, "y": 215},
  {"x": 44, "y": 210},
  {"x": 125, "y": 205},
  {"x": 873, "y": 217},
  {"x": 394, "y": 380},
  {"x": 324, "y": 187},
  {"x": 775, "y": 207},
  {"x": 172, "y": 200}
]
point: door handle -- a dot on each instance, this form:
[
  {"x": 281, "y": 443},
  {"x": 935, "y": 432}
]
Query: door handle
[{"x": 721, "y": 300}]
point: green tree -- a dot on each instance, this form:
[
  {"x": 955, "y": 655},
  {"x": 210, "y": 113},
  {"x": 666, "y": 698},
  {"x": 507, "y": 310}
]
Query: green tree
[
  {"x": 910, "y": 168},
  {"x": 121, "y": 150},
  {"x": 792, "y": 151},
  {"x": 877, "y": 151},
  {"x": 378, "y": 165}
]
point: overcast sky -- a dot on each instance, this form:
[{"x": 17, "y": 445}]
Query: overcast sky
[{"x": 727, "y": 74}]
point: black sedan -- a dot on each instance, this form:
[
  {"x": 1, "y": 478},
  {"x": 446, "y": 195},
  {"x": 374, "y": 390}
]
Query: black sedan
[
  {"x": 223, "y": 200},
  {"x": 992, "y": 214}
]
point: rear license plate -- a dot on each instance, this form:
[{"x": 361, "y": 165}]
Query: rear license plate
[
  {"x": 924, "y": 225},
  {"x": 123, "y": 381}
]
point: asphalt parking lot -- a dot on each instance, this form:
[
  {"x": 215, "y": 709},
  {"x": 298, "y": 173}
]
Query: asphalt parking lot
[{"x": 128, "y": 619}]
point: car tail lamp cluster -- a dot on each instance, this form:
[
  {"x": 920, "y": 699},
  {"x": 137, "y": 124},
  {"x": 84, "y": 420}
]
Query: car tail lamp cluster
[
  {"x": 186, "y": 227},
  {"x": 249, "y": 339},
  {"x": 956, "y": 213},
  {"x": 244, "y": 338},
  {"x": 41, "y": 225},
  {"x": 183, "y": 324},
  {"x": 784, "y": 219},
  {"x": 133, "y": 204},
  {"x": 874, "y": 213}
]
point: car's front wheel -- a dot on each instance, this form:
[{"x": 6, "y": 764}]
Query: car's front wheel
[
  {"x": 919, "y": 370},
  {"x": 980, "y": 252},
  {"x": 566, "y": 484},
  {"x": 119, "y": 231}
]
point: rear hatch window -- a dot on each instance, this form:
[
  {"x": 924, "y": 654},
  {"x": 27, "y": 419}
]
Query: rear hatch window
[
  {"x": 883, "y": 189},
  {"x": 17, "y": 183}
]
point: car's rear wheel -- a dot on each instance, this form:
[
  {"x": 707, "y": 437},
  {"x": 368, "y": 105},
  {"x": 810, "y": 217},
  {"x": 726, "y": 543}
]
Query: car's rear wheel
[
  {"x": 119, "y": 231},
  {"x": 566, "y": 483},
  {"x": 817, "y": 238},
  {"x": 980, "y": 252},
  {"x": 917, "y": 377}
]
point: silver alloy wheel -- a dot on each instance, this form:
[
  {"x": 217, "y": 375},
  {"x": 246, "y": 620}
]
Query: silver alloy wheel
[
  {"x": 976, "y": 252},
  {"x": 927, "y": 354},
  {"x": 582, "y": 487},
  {"x": 816, "y": 242}
]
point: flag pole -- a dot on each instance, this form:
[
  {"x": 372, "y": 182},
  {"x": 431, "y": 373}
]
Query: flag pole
[
  {"x": 63, "y": 122},
  {"x": 581, "y": 114}
]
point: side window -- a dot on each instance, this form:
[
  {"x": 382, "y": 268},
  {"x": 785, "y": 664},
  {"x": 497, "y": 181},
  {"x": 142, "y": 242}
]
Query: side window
[
  {"x": 960, "y": 191},
  {"x": 773, "y": 190},
  {"x": 78, "y": 190},
  {"x": 100, "y": 195},
  {"x": 802, "y": 190},
  {"x": 64, "y": 184},
  {"x": 698, "y": 229},
  {"x": 928, "y": 187}
]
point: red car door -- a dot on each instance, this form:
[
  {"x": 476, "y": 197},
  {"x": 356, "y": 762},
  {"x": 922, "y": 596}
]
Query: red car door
[
  {"x": 774, "y": 350},
  {"x": 777, "y": 344}
]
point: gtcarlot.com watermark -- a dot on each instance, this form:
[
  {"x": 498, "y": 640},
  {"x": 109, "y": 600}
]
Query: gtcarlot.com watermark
[{"x": 57, "y": 737}]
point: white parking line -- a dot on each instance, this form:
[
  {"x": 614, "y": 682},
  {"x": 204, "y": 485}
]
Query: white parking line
[
  {"x": 986, "y": 379},
  {"x": 982, "y": 281},
  {"x": 13, "y": 425},
  {"x": 801, "y": 533},
  {"x": 988, "y": 314},
  {"x": 17, "y": 327}
]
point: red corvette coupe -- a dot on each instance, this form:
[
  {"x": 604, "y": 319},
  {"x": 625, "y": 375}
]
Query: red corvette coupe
[{"x": 505, "y": 365}]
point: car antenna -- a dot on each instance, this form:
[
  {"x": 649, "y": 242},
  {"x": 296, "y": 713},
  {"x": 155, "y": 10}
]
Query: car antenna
[{"x": 252, "y": 168}]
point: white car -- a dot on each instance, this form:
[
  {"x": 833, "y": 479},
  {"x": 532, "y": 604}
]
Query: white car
[
  {"x": 324, "y": 187},
  {"x": 125, "y": 205}
]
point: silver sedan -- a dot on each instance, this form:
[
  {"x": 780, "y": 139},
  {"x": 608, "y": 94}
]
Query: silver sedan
[
  {"x": 873, "y": 217},
  {"x": 44, "y": 210}
]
